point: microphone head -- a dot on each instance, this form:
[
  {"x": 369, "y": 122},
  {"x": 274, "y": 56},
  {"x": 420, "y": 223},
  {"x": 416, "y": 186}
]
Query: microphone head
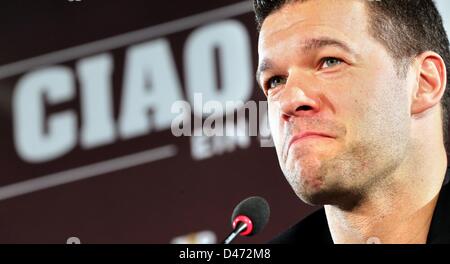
[{"x": 256, "y": 209}]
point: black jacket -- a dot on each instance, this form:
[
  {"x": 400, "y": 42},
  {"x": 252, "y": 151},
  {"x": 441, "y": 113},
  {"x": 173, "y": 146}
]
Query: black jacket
[{"x": 314, "y": 228}]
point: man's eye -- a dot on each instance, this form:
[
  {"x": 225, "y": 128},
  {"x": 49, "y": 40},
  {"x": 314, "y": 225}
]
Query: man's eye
[
  {"x": 330, "y": 62},
  {"x": 275, "y": 81}
]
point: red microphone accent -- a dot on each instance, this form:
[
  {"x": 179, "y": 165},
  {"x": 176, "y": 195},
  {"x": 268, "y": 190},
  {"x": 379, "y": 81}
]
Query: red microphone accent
[{"x": 245, "y": 220}]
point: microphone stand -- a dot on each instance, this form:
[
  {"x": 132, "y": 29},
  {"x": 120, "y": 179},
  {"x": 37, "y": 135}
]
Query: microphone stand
[{"x": 239, "y": 228}]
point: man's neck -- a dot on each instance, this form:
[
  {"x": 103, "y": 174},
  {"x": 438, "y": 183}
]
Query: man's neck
[
  {"x": 408, "y": 225},
  {"x": 399, "y": 212}
]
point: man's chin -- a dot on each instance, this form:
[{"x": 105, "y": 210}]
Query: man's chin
[
  {"x": 314, "y": 196},
  {"x": 326, "y": 195}
]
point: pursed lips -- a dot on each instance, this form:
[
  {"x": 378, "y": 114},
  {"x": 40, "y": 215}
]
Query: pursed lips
[{"x": 307, "y": 135}]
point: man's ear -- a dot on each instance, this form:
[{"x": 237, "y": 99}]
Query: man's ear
[{"x": 431, "y": 82}]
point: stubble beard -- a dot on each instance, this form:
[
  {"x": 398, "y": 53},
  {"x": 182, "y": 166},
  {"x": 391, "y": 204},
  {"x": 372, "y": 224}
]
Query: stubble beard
[{"x": 344, "y": 180}]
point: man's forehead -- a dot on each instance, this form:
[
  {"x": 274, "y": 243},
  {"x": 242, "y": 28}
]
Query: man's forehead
[{"x": 343, "y": 14}]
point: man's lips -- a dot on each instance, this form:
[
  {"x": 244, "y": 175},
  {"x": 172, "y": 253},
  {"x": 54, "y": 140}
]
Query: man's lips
[{"x": 307, "y": 135}]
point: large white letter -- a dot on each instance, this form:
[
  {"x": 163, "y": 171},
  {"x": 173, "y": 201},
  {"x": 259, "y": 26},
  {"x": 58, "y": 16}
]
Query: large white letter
[
  {"x": 96, "y": 101},
  {"x": 151, "y": 85},
  {"x": 35, "y": 140},
  {"x": 231, "y": 41}
]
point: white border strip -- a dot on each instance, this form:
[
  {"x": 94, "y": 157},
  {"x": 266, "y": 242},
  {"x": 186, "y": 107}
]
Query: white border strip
[
  {"x": 88, "y": 171},
  {"x": 125, "y": 39}
]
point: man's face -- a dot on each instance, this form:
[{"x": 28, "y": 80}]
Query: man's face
[{"x": 338, "y": 111}]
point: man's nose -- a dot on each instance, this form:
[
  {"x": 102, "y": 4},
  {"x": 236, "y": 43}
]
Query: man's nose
[{"x": 298, "y": 99}]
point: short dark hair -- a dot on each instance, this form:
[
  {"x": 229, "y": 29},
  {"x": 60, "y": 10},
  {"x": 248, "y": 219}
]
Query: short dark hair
[{"x": 406, "y": 28}]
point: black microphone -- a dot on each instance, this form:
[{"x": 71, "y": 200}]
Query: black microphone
[{"x": 249, "y": 217}]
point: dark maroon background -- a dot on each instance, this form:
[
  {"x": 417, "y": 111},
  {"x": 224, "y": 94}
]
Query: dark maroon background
[{"x": 151, "y": 203}]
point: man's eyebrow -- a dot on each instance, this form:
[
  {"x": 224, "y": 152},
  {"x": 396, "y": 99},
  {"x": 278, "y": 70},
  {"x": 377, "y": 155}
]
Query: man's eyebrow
[
  {"x": 311, "y": 44},
  {"x": 265, "y": 65},
  {"x": 306, "y": 46}
]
